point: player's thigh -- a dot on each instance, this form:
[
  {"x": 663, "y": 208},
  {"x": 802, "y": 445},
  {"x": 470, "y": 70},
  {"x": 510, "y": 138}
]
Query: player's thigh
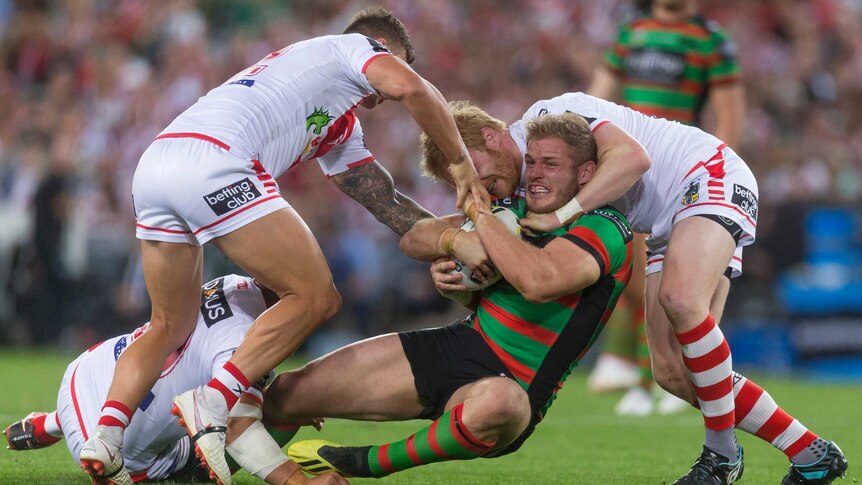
[
  {"x": 173, "y": 273},
  {"x": 698, "y": 253},
  {"x": 371, "y": 380},
  {"x": 280, "y": 251}
]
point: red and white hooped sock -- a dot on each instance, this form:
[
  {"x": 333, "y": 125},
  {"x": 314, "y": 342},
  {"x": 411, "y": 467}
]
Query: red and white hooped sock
[
  {"x": 115, "y": 413},
  {"x": 758, "y": 413},
  {"x": 230, "y": 382},
  {"x": 706, "y": 355}
]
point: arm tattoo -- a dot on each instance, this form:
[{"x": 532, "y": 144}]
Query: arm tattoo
[{"x": 372, "y": 186}]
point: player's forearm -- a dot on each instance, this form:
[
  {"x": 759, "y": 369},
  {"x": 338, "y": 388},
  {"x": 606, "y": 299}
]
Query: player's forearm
[
  {"x": 618, "y": 169},
  {"x": 432, "y": 114},
  {"x": 728, "y": 104},
  {"x": 372, "y": 186},
  {"x": 518, "y": 262},
  {"x": 421, "y": 242},
  {"x": 604, "y": 84}
]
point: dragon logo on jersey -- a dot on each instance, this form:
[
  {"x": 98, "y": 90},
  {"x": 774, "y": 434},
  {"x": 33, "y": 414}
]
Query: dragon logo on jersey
[
  {"x": 692, "y": 193},
  {"x": 318, "y": 118},
  {"x": 214, "y": 305}
]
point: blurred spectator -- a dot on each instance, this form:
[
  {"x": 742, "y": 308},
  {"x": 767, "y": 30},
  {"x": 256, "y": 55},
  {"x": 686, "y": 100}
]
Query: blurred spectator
[{"x": 94, "y": 80}]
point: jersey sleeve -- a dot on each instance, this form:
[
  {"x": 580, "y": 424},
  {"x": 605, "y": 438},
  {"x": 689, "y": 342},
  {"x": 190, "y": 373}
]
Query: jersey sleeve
[
  {"x": 578, "y": 103},
  {"x": 606, "y": 235},
  {"x": 349, "y": 154},
  {"x": 615, "y": 54},
  {"x": 358, "y": 51},
  {"x": 723, "y": 67}
]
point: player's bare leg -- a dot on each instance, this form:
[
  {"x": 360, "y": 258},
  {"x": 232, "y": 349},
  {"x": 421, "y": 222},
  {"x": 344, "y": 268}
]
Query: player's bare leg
[
  {"x": 698, "y": 253},
  {"x": 480, "y": 418},
  {"x": 665, "y": 352},
  {"x": 172, "y": 273},
  {"x": 281, "y": 253},
  {"x": 372, "y": 380}
]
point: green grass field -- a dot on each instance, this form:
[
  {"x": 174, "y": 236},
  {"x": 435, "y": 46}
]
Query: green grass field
[{"x": 580, "y": 442}]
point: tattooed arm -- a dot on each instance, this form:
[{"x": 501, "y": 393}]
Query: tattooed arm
[{"x": 372, "y": 186}]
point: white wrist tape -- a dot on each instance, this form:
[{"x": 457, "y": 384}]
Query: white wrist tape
[
  {"x": 256, "y": 451},
  {"x": 242, "y": 410},
  {"x": 568, "y": 211}
]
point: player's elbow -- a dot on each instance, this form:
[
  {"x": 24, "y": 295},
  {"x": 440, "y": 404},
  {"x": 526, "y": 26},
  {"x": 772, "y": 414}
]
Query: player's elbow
[
  {"x": 411, "y": 91},
  {"x": 640, "y": 161},
  {"x": 534, "y": 288}
]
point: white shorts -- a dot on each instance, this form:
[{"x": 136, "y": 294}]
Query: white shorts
[
  {"x": 189, "y": 188},
  {"x": 722, "y": 186},
  {"x": 79, "y": 405}
]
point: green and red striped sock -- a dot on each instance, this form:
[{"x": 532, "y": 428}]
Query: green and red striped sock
[{"x": 445, "y": 439}]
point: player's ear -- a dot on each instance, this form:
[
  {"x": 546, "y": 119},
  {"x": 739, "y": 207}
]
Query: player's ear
[
  {"x": 491, "y": 137},
  {"x": 586, "y": 172}
]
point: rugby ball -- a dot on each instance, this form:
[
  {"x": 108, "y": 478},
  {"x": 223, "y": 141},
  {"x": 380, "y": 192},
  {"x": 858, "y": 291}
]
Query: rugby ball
[{"x": 510, "y": 219}]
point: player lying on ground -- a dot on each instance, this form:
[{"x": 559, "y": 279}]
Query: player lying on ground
[
  {"x": 487, "y": 381},
  {"x": 155, "y": 447},
  {"x": 698, "y": 201},
  {"x": 210, "y": 176}
]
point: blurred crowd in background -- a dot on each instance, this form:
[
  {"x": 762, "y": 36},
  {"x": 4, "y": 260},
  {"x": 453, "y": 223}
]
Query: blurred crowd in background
[{"x": 85, "y": 85}]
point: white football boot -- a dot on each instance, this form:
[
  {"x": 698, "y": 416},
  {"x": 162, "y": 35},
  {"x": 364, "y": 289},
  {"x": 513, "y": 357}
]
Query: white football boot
[
  {"x": 102, "y": 459},
  {"x": 203, "y": 412}
]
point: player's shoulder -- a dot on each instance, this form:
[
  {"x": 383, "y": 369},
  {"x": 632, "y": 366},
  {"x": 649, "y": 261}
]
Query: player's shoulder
[
  {"x": 607, "y": 219},
  {"x": 709, "y": 27}
]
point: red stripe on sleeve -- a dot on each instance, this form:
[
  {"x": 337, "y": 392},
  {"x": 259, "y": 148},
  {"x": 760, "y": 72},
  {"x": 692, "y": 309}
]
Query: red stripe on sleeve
[
  {"x": 360, "y": 162},
  {"x": 590, "y": 237},
  {"x": 601, "y": 124},
  {"x": 365, "y": 66}
]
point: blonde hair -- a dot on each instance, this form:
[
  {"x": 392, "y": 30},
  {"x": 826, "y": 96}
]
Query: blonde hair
[
  {"x": 470, "y": 120},
  {"x": 573, "y": 129}
]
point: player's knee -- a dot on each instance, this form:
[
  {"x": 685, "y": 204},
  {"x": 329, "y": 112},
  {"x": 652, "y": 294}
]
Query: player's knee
[
  {"x": 504, "y": 405},
  {"x": 678, "y": 304},
  {"x": 324, "y": 304}
]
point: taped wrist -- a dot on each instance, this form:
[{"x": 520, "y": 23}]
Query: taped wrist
[
  {"x": 569, "y": 211},
  {"x": 447, "y": 240},
  {"x": 256, "y": 451}
]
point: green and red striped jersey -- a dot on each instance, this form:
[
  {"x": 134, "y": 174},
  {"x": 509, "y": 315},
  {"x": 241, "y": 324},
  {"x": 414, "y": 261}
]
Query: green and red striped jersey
[
  {"x": 666, "y": 70},
  {"x": 541, "y": 343}
]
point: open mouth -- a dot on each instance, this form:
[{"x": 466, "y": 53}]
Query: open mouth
[{"x": 539, "y": 190}]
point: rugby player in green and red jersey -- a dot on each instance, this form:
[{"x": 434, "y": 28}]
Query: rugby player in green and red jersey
[{"x": 487, "y": 381}]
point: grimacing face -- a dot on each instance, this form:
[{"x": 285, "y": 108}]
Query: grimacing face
[
  {"x": 500, "y": 172},
  {"x": 552, "y": 175}
]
